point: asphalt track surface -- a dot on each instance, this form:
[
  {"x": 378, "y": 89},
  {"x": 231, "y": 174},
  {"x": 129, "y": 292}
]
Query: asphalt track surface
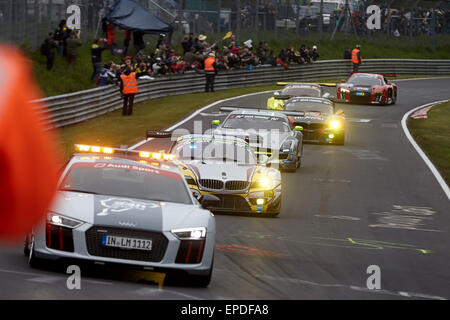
[{"x": 372, "y": 201}]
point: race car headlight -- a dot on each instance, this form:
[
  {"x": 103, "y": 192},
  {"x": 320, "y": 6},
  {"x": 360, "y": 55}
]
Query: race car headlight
[
  {"x": 344, "y": 90},
  {"x": 190, "y": 233},
  {"x": 286, "y": 146},
  {"x": 59, "y": 220},
  {"x": 335, "y": 124},
  {"x": 264, "y": 183}
]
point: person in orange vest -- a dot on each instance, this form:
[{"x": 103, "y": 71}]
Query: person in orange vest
[
  {"x": 210, "y": 71},
  {"x": 128, "y": 88},
  {"x": 29, "y": 157},
  {"x": 356, "y": 58}
]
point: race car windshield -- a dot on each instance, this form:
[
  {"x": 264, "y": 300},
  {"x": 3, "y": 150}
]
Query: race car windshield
[
  {"x": 127, "y": 181},
  {"x": 307, "y": 107},
  {"x": 365, "y": 80},
  {"x": 247, "y": 122},
  {"x": 301, "y": 92},
  {"x": 215, "y": 151}
]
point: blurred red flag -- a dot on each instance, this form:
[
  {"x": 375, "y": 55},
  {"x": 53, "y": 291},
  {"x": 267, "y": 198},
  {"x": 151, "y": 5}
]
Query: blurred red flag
[{"x": 29, "y": 158}]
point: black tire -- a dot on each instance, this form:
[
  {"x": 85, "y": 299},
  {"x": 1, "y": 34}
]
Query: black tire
[
  {"x": 26, "y": 246},
  {"x": 34, "y": 262}
]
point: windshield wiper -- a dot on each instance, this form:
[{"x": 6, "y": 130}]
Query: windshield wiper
[{"x": 76, "y": 190}]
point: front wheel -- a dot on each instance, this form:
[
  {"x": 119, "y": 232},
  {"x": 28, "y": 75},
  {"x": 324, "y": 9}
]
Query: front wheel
[{"x": 201, "y": 281}]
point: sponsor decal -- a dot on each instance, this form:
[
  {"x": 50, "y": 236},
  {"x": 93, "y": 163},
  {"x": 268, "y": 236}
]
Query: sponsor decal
[{"x": 116, "y": 205}]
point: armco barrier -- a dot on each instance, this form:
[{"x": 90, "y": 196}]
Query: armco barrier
[{"x": 79, "y": 106}]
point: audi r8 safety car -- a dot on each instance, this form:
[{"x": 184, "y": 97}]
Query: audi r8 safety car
[
  {"x": 130, "y": 208},
  {"x": 227, "y": 167},
  {"x": 291, "y": 90},
  {"x": 269, "y": 133},
  {"x": 320, "y": 122},
  {"x": 367, "y": 88}
]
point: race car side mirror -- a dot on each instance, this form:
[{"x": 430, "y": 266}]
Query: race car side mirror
[
  {"x": 209, "y": 200},
  {"x": 298, "y": 128},
  {"x": 277, "y": 93},
  {"x": 340, "y": 112},
  {"x": 215, "y": 123},
  {"x": 343, "y": 81}
]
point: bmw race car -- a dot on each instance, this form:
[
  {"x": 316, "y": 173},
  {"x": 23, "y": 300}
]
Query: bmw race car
[
  {"x": 227, "y": 167},
  {"x": 292, "y": 90},
  {"x": 367, "y": 88},
  {"x": 129, "y": 208},
  {"x": 269, "y": 133},
  {"x": 320, "y": 122}
]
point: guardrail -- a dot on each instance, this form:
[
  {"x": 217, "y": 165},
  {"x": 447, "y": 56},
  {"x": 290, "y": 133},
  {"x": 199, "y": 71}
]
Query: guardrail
[{"x": 79, "y": 106}]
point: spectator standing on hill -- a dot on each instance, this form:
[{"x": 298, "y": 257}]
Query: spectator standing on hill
[
  {"x": 72, "y": 48},
  {"x": 48, "y": 50},
  {"x": 61, "y": 36},
  {"x": 314, "y": 54},
  {"x": 96, "y": 56},
  {"x": 347, "y": 54}
]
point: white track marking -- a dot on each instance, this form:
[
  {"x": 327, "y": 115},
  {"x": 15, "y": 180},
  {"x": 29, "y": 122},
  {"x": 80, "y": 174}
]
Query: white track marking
[
  {"x": 197, "y": 112},
  {"x": 422, "y": 154}
]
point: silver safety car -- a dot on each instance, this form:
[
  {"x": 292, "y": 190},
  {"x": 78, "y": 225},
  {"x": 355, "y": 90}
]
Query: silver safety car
[{"x": 130, "y": 208}]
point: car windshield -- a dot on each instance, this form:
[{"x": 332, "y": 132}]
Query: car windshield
[
  {"x": 128, "y": 181},
  {"x": 301, "y": 92},
  {"x": 213, "y": 151},
  {"x": 256, "y": 122},
  {"x": 310, "y": 107},
  {"x": 365, "y": 80}
]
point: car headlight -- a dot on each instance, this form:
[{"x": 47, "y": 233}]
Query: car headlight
[
  {"x": 60, "y": 220},
  {"x": 286, "y": 146},
  {"x": 264, "y": 183},
  {"x": 335, "y": 124},
  {"x": 345, "y": 90},
  {"x": 190, "y": 233}
]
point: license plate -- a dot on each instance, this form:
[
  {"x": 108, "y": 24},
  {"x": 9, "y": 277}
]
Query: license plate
[
  {"x": 361, "y": 94},
  {"x": 126, "y": 243}
]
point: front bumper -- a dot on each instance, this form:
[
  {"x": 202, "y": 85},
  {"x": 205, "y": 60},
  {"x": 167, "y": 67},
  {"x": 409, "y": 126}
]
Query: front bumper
[
  {"x": 246, "y": 202},
  {"x": 367, "y": 98},
  {"x": 168, "y": 261}
]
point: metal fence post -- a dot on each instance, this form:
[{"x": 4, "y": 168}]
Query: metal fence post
[
  {"x": 219, "y": 5},
  {"x": 238, "y": 19},
  {"x": 49, "y": 16},
  {"x": 256, "y": 22},
  {"x": 35, "y": 24}
]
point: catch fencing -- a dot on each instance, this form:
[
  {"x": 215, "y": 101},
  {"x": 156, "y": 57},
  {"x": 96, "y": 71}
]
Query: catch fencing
[{"x": 76, "y": 107}]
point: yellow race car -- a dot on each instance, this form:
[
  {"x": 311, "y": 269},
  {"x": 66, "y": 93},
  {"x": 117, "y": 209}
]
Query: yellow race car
[{"x": 291, "y": 90}]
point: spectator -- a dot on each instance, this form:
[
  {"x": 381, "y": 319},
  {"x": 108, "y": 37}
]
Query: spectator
[
  {"x": 347, "y": 54},
  {"x": 282, "y": 59},
  {"x": 96, "y": 56},
  {"x": 314, "y": 54},
  {"x": 192, "y": 59},
  {"x": 61, "y": 36},
  {"x": 48, "y": 50},
  {"x": 106, "y": 76},
  {"x": 72, "y": 48},
  {"x": 126, "y": 41},
  {"x": 356, "y": 58}
]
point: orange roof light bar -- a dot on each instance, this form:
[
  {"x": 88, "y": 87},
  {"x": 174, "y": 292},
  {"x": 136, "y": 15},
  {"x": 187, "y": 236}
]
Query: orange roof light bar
[{"x": 141, "y": 154}]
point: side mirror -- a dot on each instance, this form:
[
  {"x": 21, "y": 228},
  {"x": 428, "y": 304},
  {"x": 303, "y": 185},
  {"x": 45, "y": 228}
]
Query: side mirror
[
  {"x": 340, "y": 112},
  {"x": 298, "y": 128},
  {"x": 276, "y": 93},
  {"x": 326, "y": 95},
  {"x": 343, "y": 81},
  {"x": 215, "y": 122},
  {"x": 209, "y": 200}
]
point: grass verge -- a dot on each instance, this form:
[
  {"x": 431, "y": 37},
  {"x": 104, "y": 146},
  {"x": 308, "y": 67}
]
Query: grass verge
[{"x": 433, "y": 136}]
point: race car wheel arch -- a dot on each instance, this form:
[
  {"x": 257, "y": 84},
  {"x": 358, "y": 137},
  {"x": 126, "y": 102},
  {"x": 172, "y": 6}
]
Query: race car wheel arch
[{"x": 202, "y": 280}]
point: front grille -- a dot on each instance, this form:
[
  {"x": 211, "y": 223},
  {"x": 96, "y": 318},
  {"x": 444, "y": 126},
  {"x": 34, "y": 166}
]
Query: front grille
[
  {"x": 59, "y": 238},
  {"x": 95, "y": 248},
  {"x": 311, "y": 131},
  {"x": 211, "y": 184},
  {"x": 236, "y": 185},
  {"x": 230, "y": 201},
  {"x": 355, "y": 98},
  {"x": 190, "y": 251}
]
